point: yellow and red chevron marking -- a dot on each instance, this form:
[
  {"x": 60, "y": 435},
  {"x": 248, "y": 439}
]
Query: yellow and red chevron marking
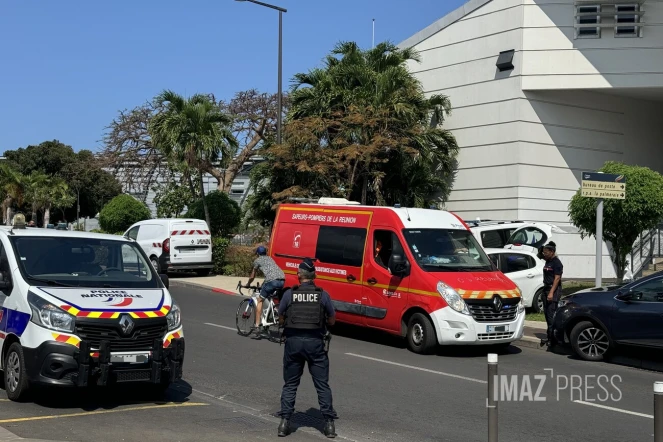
[
  {"x": 485, "y": 294},
  {"x": 67, "y": 339},
  {"x": 170, "y": 337},
  {"x": 114, "y": 315}
]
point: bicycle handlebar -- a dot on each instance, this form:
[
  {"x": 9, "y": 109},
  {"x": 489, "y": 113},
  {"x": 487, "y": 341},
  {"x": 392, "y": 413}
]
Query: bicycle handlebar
[{"x": 255, "y": 288}]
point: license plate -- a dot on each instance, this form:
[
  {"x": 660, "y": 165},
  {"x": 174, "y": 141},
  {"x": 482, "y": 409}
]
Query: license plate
[
  {"x": 497, "y": 328},
  {"x": 129, "y": 358}
]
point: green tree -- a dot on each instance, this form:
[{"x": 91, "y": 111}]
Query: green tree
[
  {"x": 623, "y": 220},
  {"x": 361, "y": 127},
  {"x": 171, "y": 199},
  {"x": 226, "y": 213},
  {"x": 193, "y": 133},
  {"x": 121, "y": 212},
  {"x": 82, "y": 171},
  {"x": 35, "y": 184},
  {"x": 12, "y": 187}
]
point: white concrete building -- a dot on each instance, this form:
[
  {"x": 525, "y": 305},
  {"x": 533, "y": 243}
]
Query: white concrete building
[{"x": 582, "y": 85}]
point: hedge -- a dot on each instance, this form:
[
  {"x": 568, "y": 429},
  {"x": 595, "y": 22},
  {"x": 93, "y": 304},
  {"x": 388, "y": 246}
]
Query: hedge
[
  {"x": 121, "y": 212},
  {"x": 225, "y": 214}
]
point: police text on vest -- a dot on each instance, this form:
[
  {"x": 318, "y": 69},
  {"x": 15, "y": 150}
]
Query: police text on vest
[{"x": 305, "y": 297}]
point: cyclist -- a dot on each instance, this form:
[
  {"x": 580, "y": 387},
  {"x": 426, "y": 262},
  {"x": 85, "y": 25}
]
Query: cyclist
[{"x": 274, "y": 280}]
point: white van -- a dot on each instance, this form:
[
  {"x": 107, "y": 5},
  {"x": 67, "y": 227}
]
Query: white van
[
  {"x": 175, "y": 244},
  {"x": 79, "y": 309}
]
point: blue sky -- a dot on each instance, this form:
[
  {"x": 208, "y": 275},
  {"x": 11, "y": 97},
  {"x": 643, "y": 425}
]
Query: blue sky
[{"x": 69, "y": 66}]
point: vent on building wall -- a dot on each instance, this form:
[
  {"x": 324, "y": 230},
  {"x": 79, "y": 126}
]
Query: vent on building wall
[
  {"x": 505, "y": 60},
  {"x": 591, "y": 17}
]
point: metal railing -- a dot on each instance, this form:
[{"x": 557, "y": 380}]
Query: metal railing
[{"x": 645, "y": 249}]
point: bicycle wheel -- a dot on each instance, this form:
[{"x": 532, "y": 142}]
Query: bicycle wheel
[{"x": 246, "y": 317}]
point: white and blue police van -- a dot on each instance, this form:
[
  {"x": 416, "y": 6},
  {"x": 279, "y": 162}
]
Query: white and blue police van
[{"x": 82, "y": 309}]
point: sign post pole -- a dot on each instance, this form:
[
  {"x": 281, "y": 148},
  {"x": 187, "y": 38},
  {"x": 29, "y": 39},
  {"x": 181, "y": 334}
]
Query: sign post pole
[
  {"x": 599, "y": 242},
  {"x": 602, "y": 186}
]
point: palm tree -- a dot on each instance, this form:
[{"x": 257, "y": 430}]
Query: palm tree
[
  {"x": 378, "y": 81},
  {"x": 12, "y": 185},
  {"x": 35, "y": 185},
  {"x": 192, "y": 133}
]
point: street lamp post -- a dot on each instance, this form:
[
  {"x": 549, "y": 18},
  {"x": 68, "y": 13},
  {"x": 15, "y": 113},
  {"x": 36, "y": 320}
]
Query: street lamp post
[{"x": 279, "y": 96}]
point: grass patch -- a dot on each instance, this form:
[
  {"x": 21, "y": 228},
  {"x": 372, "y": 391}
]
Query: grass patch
[{"x": 570, "y": 287}]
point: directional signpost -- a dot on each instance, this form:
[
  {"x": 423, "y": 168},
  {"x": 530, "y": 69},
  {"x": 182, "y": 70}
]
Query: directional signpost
[{"x": 602, "y": 186}]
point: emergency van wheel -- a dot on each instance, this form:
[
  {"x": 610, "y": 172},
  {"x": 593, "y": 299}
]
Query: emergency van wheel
[
  {"x": 16, "y": 379},
  {"x": 421, "y": 336}
]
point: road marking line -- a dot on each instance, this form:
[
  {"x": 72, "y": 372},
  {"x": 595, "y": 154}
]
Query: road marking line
[
  {"x": 619, "y": 410},
  {"x": 90, "y": 413},
  {"x": 221, "y": 326},
  {"x": 419, "y": 368}
]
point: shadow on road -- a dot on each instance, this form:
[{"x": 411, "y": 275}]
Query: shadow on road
[
  {"x": 382, "y": 338},
  {"x": 107, "y": 398}
]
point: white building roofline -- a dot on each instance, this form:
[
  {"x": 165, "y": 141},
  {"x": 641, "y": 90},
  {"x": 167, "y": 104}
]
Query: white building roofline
[{"x": 452, "y": 17}]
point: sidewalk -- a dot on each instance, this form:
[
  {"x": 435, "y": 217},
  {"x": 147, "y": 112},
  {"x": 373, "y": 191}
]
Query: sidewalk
[{"x": 227, "y": 285}]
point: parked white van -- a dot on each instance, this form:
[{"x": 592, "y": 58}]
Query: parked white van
[{"x": 175, "y": 244}]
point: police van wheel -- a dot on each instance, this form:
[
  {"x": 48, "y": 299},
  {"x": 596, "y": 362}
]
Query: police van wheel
[
  {"x": 16, "y": 379},
  {"x": 421, "y": 334}
]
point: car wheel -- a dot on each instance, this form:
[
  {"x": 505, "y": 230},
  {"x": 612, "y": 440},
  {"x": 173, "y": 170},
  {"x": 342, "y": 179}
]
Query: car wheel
[
  {"x": 421, "y": 337},
  {"x": 537, "y": 302},
  {"x": 155, "y": 264},
  {"x": 589, "y": 341},
  {"x": 16, "y": 378}
]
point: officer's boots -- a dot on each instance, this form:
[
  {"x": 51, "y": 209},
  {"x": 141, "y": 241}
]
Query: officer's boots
[
  {"x": 330, "y": 429},
  {"x": 284, "y": 427}
]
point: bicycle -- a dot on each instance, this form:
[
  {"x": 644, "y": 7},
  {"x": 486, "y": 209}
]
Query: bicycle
[{"x": 246, "y": 312}]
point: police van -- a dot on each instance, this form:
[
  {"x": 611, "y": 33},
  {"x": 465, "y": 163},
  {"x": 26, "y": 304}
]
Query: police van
[
  {"x": 417, "y": 273},
  {"x": 80, "y": 309}
]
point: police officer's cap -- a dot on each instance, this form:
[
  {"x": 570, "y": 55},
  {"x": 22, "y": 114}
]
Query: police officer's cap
[{"x": 307, "y": 265}]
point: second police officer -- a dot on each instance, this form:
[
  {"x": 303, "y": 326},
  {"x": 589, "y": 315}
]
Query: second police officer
[{"x": 305, "y": 311}]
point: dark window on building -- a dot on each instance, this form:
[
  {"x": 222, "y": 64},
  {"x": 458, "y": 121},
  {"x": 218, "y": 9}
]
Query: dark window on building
[{"x": 341, "y": 245}]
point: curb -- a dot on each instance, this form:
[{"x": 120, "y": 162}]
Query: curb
[{"x": 196, "y": 285}]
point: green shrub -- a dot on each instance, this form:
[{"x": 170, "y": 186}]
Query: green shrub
[
  {"x": 219, "y": 249},
  {"x": 239, "y": 260},
  {"x": 225, "y": 214},
  {"x": 121, "y": 212}
]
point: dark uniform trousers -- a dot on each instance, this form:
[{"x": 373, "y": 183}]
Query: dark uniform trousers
[
  {"x": 309, "y": 350},
  {"x": 549, "y": 308}
]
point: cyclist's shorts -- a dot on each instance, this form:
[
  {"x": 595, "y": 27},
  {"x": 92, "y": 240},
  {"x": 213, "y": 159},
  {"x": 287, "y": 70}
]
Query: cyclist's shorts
[{"x": 269, "y": 288}]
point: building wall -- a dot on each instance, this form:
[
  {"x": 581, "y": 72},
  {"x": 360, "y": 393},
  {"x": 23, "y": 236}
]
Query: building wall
[
  {"x": 525, "y": 135},
  {"x": 459, "y": 62},
  {"x": 554, "y": 59}
]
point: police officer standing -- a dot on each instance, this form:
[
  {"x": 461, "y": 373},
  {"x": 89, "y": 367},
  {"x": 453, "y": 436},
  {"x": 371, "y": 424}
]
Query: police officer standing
[
  {"x": 552, "y": 288},
  {"x": 306, "y": 310}
]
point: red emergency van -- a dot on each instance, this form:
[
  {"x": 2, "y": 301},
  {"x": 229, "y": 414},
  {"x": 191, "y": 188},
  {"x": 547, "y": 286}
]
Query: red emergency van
[{"x": 418, "y": 273}]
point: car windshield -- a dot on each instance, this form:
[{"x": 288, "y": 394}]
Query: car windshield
[
  {"x": 447, "y": 250},
  {"x": 82, "y": 262}
]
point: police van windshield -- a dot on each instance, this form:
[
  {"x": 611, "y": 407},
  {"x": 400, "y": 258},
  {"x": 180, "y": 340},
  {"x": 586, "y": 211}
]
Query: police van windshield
[
  {"x": 82, "y": 262},
  {"x": 446, "y": 250}
]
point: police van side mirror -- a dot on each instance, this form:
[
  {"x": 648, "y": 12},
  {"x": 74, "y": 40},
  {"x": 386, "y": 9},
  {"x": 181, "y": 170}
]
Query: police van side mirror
[
  {"x": 399, "y": 266},
  {"x": 165, "y": 280},
  {"x": 5, "y": 284}
]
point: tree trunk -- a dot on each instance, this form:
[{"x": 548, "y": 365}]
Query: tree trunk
[
  {"x": 34, "y": 213},
  {"x": 364, "y": 189},
  {"x": 205, "y": 208},
  {"x": 47, "y": 215},
  {"x": 191, "y": 186}
]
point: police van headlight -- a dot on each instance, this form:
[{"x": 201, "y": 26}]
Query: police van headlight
[
  {"x": 173, "y": 317},
  {"x": 49, "y": 316},
  {"x": 453, "y": 298}
]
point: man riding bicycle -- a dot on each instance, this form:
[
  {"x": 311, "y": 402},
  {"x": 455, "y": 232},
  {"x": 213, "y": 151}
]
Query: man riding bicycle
[{"x": 274, "y": 280}]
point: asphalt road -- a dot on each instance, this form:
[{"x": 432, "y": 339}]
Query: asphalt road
[{"x": 382, "y": 392}]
